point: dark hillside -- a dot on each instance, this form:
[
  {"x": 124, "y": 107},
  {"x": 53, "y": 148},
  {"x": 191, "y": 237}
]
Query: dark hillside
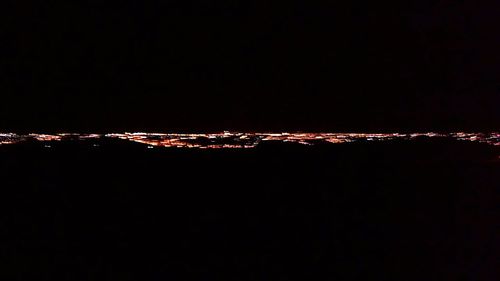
[{"x": 422, "y": 210}]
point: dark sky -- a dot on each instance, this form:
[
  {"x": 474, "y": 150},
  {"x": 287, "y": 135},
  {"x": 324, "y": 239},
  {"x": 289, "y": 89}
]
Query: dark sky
[{"x": 249, "y": 65}]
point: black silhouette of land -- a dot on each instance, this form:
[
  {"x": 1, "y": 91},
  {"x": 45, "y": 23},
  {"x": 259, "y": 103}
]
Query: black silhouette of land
[{"x": 424, "y": 209}]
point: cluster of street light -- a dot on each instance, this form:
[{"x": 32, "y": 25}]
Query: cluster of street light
[
  {"x": 250, "y": 140},
  {"x": 246, "y": 140}
]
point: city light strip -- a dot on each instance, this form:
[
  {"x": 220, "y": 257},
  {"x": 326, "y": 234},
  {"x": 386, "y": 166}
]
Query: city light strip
[{"x": 239, "y": 140}]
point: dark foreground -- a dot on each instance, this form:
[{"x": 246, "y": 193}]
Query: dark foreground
[{"x": 417, "y": 210}]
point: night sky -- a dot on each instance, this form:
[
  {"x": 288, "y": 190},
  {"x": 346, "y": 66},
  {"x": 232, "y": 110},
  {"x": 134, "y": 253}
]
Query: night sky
[{"x": 249, "y": 65}]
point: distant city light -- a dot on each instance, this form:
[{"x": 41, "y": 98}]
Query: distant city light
[{"x": 238, "y": 140}]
